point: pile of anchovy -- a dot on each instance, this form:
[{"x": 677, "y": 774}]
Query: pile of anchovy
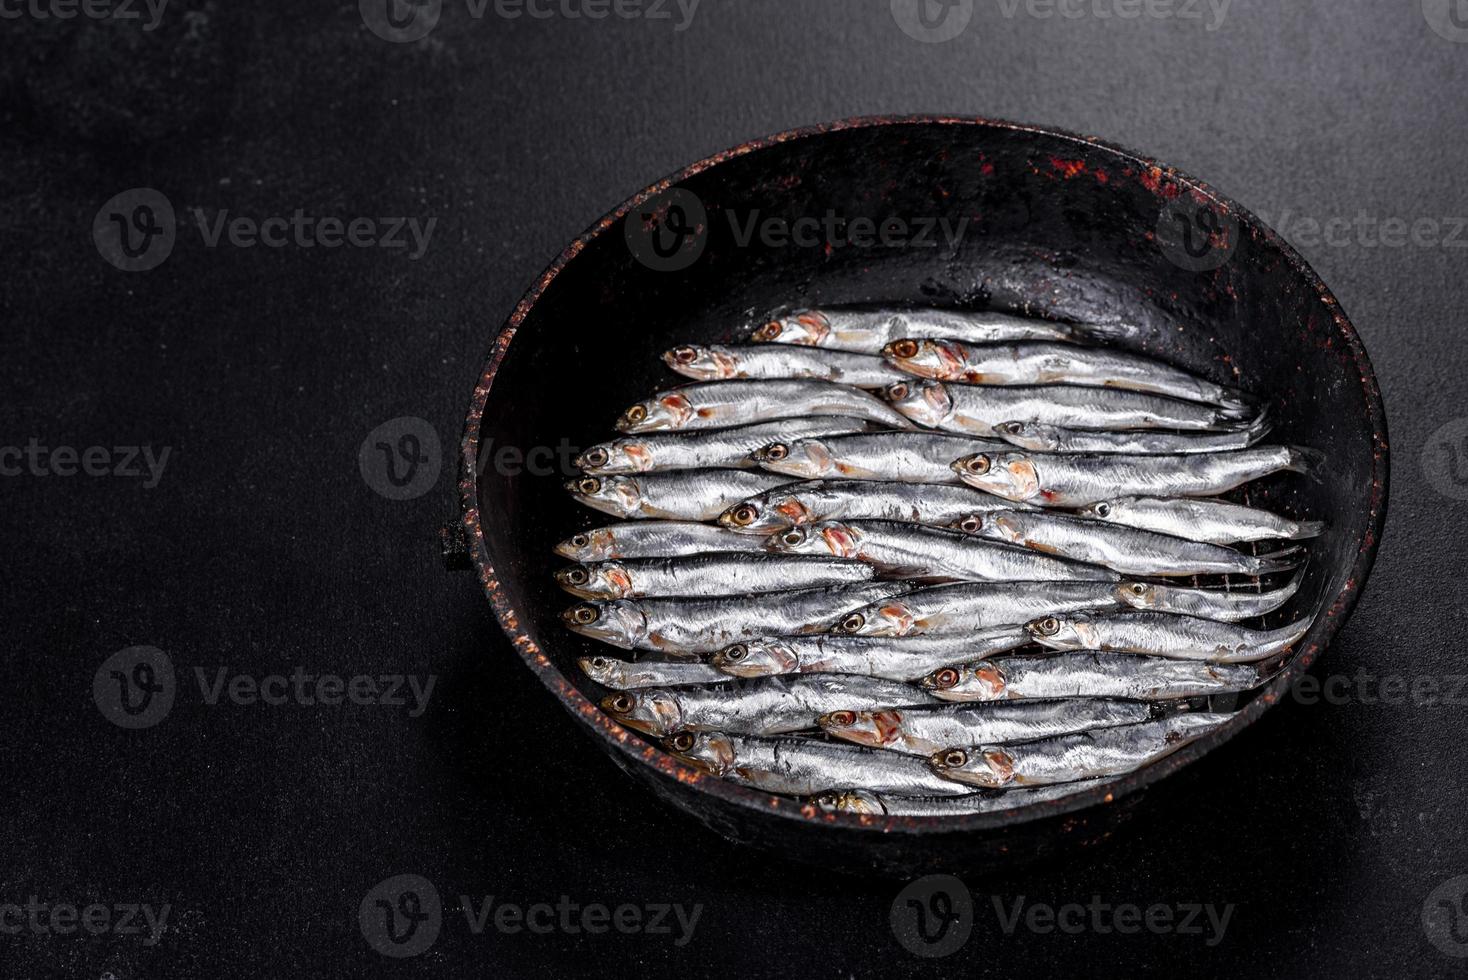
[{"x": 928, "y": 562}]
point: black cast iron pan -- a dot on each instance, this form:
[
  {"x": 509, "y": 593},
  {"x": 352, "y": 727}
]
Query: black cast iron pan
[{"x": 1051, "y": 223}]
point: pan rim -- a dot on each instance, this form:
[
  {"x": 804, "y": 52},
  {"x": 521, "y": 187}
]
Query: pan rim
[{"x": 640, "y": 752}]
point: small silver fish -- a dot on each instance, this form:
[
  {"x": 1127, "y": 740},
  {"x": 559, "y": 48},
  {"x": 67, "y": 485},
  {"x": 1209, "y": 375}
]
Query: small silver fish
[
  {"x": 929, "y": 554},
  {"x": 708, "y": 575},
  {"x": 1041, "y": 438},
  {"x": 716, "y": 362},
  {"x": 717, "y": 404},
  {"x": 967, "y": 606},
  {"x": 867, "y": 331},
  {"x": 975, "y": 410},
  {"x": 768, "y": 706},
  {"x": 1041, "y": 363},
  {"x": 687, "y": 495},
  {"x": 655, "y": 451},
  {"x": 1055, "y": 480},
  {"x": 1067, "y": 758},
  {"x": 653, "y": 539},
  {"x": 902, "y": 457},
  {"x": 814, "y": 501},
  {"x": 867, "y": 803},
  {"x": 1165, "y": 635},
  {"x": 927, "y": 729},
  {"x": 905, "y": 659},
  {"x": 803, "y": 766},
  {"x": 1221, "y": 604},
  {"x": 1128, "y": 550},
  {"x": 687, "y": 625},
  {"x": 1208, "y": 520},
  {"x": 1088, "y": 674},
  {"x": 627, "y": 675}
]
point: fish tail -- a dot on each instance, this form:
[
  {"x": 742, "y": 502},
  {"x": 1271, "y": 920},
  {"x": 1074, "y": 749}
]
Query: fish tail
[
  {"x": 1107, "y": 332},
  {"x": 1262, "y": 425},
  {"x": 1307, "y": 529},
  {"x": 1278, "y": 561},
  {"x": 1234, "y": 417},
  {"x": 1303, "y": 459},
  {"x": 1286, "y": 636}
]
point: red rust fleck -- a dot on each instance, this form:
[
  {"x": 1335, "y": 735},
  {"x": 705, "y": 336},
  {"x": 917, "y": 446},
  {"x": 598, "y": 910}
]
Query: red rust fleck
[{"x": 1068, "y": 168}]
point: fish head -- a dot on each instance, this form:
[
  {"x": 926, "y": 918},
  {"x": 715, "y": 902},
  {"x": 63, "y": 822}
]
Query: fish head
[
  {"x": 1009, "y": 475},
  {"x": 670, "y": 410},
  {"x": 808, "y": 328},
  {"x": 877, "y": 729},
  {"x": 922, "y": 400},
  {"x": 617, "y": 495},
  {"x": 757, "y": 515},
  {"x": 850, "y": 801},
  {"x": 827, "y": 538},
  {"x": 1101, "y": 510},
  {"x": 1034, "y": 436},
  {"x": 601, "y": 580},
  {"x": 757, "y": 658},
  {"x": 808, "y": 458},
  {"x": 713, "y": 752},
  {"x": 594, "y": 545},
  {"x": 989, "y": 767},
  {"x": 982, "y": 681},
  {"x": 619, "y": 622},
  {"x": 927, "y": 358},
  {"x": 1140, "y": 595},
  {"x": 618, "y": 456},
  {"x": 1061, "y": 632},
  {"x": 652, "y": 711},
  {"x": 700, "y": 362},
  {"x": 606, "y": 671}
]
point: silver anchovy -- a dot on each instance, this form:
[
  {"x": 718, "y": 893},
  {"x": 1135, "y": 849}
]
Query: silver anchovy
[
  {"x": 1088, "y": 674},
  {"x": 1224, "y": 604},
  {"x": 1128, "y": 550},
  {"x": 968, "y": 606},
  {"x": 904, "y": 659},
  {"x": 1165, "y": 635},
  {"x": 768, "y": 706},
  {"x": 1041, "y": 363},
  {"x": 627, "y": 675},
  {"x": 717, "y": 404},
  {"x": 975, "y": 410},
  {"x": 1212, "y": 521},
  {"x": 1041, "y": 438},
  {"x": 688, "y": 495},
  {"x": 803, "y": 766},
  {"x": 654, "y": 451},
  {"x": 902, "y": 457},
  {"x": 697, "y": 625},
  {"x": 867, "y": 803},
  {"x": 708, "y": 575},
  {"x": 926, "y": 729},
  {"x": 930, "y": 554},
  {"x": 814, "y": 501},
  {"x": 1055, "y": 480},
  {"x": 1067, "y": 758},
  {"x": 717, "y": 362},
  {"x": 868, "y": 331},
  {"x": 654, "y": 539}
]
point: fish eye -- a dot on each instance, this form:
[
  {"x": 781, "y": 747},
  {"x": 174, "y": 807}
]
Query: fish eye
[
  {"x": 600, "y": 663},
  {"x": 978, "y": 464},
  {"x": 584, "y": 615},
  {"x": 954, "y": 758},
  {"x": 735, "y": 653},
  {"x": 793, "y": 537},
  {"x": 842, "y": 719},
  {"x": 945, "y": 678},
  {"x": 826, "y": 801},
  {"x": 684, "y": 355},
  {"x": 682, "y": 742},
  {"x": 744, "y": 515},
  {"x": 1009, "y": 428},
  {"x": 1048, "y": 626},
  {"x": 853, "y": 623},
  {"x": 1138, "y": 588},
  {"x": 1103, "y": 509},
  {"x": 777, "y": 451},
  {"x": 972, "y": 524},
  {"x": 580, "y": 541},
  {"x": 905, "y": 348},
  {"x": 897, "y": 391},
  {"x": 588, "y": 485},
  {"x": 769, "y": 331},
  {"x": 636, "y": 413},
  {"x": 596, "y": 456},
  {"x": 577, "y": 575},
  {"x": 621, "y": 704}
]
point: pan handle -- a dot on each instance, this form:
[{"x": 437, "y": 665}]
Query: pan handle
[{"x": 454, "y": 545}]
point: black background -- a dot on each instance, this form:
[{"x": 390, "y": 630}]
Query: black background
[{"x": 1325, "y": 826}]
